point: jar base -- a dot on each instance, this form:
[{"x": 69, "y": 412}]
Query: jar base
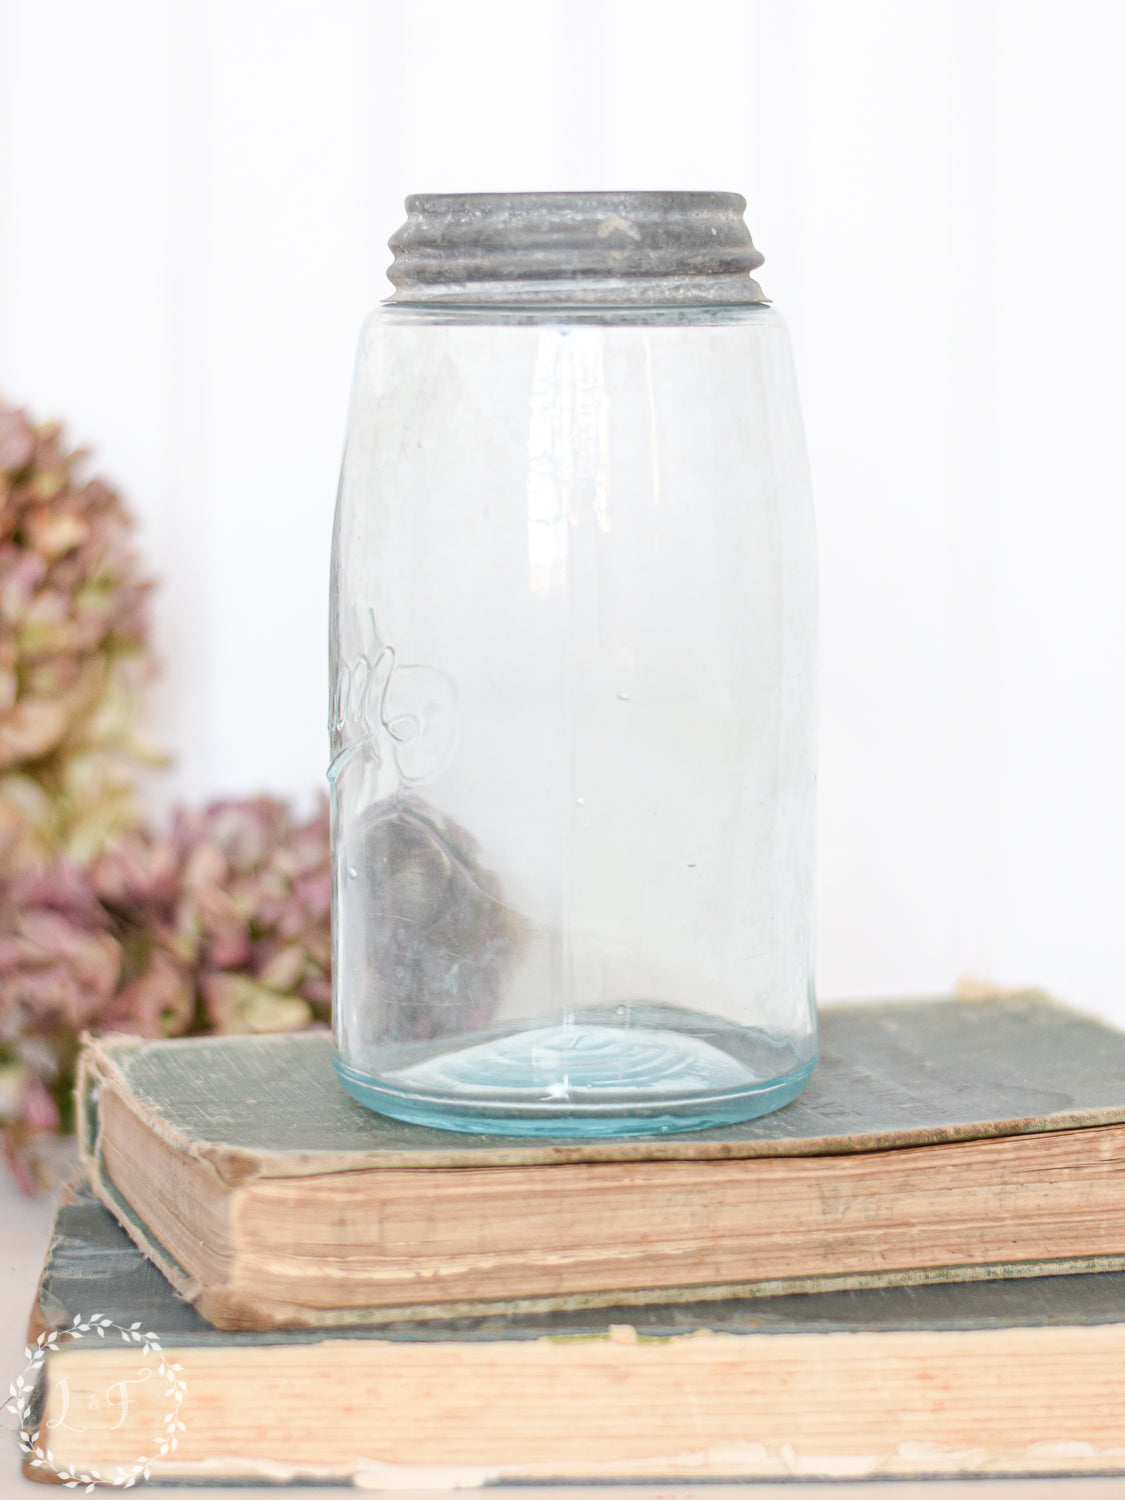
[{"x": 582, "y": 1080}]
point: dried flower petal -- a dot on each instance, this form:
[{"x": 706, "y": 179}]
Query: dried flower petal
[
  {"x": 237, "y": 1005},
  {"x": 30, "y": 728},
  {"x": 160, "y": 1002},
  {"x": 17, "y": 440},
  {"x": 134, "y": 868}
]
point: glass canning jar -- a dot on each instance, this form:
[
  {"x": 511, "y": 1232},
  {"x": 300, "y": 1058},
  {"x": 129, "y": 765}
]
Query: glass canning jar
[{"x": 573, "y": 665}]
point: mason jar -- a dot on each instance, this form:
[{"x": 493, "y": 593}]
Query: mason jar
[{"x": 573, "y": 676}]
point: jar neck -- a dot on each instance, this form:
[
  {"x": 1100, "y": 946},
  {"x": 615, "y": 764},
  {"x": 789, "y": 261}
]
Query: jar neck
[{"x": 394, "y": 313}]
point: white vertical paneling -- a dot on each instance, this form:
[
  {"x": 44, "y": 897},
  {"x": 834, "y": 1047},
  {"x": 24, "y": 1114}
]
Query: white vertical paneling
[
  {"x": 182, "y": 525},
  {"x": 773, "y": 79},
  {"x": 481, "y": 88},
  {"x": 84, "y": 325},
  {"x": 873, "y": 339},
  {"x": 196, "y": 196},
  {"x": 384, "y": 129},
  {"x": 676, "y": 106},
  {"x": 286, "y": 288},
  {"x": 7, "y": 168},
  {"x": 972, "y": 500},
  {"x": 1061, "y": 443},
  {"x": 583, "y": 70}
]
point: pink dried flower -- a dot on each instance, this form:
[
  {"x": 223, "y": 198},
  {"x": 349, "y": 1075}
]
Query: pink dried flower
[
  {"x": 39, "y": 1109},
  {"x": 237, "y": 1004},
  {"x": 256, "y": 900},
  {"x": 160, "y": 1001},
  {"x": 58, "y": 963},
  {"x": 73, "y": 637},
  {"x": 222, "y": 923}
]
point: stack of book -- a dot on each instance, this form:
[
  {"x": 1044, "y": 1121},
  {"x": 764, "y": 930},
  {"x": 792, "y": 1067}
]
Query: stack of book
[{"x": 917, "y": 1268}]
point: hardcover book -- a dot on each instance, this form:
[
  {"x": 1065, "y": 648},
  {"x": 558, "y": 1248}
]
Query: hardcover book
[
  {"x": 948, "y": 1140},
  {"x": 1002, "y": 1377}
]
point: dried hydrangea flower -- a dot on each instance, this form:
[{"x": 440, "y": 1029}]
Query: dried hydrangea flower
[
  {"x": 234, "y": 904},
  {"x": 219, "y": 924},
  {"x": 74, "y": 656}
]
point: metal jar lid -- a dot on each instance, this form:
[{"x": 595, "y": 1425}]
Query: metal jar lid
[{"x": 644, "y": 249}]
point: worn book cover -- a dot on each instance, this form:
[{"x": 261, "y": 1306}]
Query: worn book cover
[
  {"x": 1001, "y": 1377},
  {"x": 936, "y": 1141}
]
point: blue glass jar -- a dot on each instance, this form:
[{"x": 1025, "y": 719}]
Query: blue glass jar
[{"x": 573, "y": 659}]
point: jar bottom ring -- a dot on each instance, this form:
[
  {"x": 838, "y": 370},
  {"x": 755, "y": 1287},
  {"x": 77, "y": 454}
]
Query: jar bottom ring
[{"x": 578, "y": 1081}]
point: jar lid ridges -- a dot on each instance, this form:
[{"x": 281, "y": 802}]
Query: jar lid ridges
[{"x": 648, "y": 248}]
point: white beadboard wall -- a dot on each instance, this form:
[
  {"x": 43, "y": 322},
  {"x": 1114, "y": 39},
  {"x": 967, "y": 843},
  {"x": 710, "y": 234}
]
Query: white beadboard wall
[{"x": 194, "y": 201}]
